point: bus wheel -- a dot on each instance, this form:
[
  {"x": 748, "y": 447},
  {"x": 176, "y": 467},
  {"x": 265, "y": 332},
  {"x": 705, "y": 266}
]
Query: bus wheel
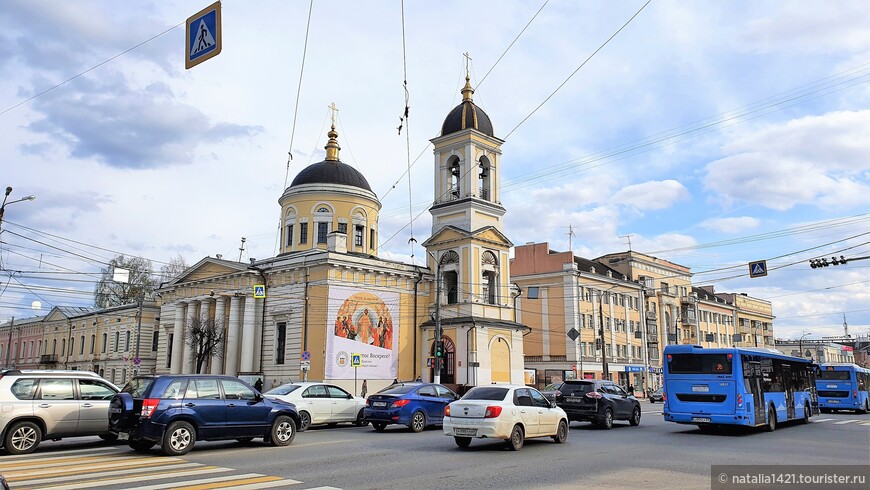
[
  {"x": 806, "y": 418},
  {"x": 771, "y": 420},
  {"x": 866, "y": 406}
]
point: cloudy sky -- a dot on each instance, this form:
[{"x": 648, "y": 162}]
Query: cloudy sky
[{"x": 707, "y": 133}]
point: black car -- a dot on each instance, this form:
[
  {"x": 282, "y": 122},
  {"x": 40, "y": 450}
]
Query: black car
[
  {"x": 597, "y": 401},
  {"x": 657, "y": 395},
  {"x": 175, "y": 411}
]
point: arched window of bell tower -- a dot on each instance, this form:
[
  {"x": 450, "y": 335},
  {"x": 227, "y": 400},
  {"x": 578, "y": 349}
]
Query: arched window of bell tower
[
  {"x": 489, "y": 282},
  {"x": 454, "y": 178},
  {"x": 484, "y": 184},
  {"x": 449, "y": 265}
]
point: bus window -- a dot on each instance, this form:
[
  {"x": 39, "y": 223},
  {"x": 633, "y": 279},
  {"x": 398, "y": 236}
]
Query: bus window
[
  {"x": 834, "y": 375},
  {"x": 699, "y": 364}
]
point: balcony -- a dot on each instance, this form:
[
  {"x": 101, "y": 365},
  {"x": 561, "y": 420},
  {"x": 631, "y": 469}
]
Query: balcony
[
  {"x": 688, "y": 300},
  {"x": 48, "y": 359},
  {"x": 650, "y": 315}
]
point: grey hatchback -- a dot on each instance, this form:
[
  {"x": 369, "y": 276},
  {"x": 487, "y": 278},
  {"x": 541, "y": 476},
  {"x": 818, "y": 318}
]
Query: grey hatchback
[{"x": 44, "y": 404}]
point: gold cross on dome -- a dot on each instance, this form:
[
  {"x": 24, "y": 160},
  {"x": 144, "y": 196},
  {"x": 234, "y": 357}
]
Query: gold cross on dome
[
  {"x": 467, "y": 59},
  {"x": 334, "y": 110}
]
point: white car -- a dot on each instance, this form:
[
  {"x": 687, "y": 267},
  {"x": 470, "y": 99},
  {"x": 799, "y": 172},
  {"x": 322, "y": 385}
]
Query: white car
[
  {"x": 321, "y": 403},
  {"x": 510, "y": 412}
]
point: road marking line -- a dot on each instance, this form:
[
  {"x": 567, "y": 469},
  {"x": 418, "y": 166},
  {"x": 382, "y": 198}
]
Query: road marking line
[
  {"x": 865, "y": 423},
  {"x": 126, "y": 471},
  {"x": 124, "y": 464},
  {"x": 72, "y": 462},
  {"x": 151, "y": 477},
  {"x": 845, "y": 422},
  {"x": 277, "y": 483},
  {"x": 65, "y": 452},
  {"x": 823, "y": 420},
  {"x": 257, "y": 482},
  {"x": 174, "y": 485}
]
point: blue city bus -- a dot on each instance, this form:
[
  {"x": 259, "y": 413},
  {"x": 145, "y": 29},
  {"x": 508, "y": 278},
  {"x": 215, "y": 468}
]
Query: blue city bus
[
  {"x": 751, "y": 387},
  {"x": 842, "y": 386}
]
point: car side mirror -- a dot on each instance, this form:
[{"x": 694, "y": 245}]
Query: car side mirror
[{"x": 552, "y": 404}]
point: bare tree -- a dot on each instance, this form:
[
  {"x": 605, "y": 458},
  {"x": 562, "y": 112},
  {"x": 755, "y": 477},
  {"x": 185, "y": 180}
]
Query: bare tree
[
  {"x": 140, "y": 284},
  {"x": 205, "y": 337},
  {"x": 172, "y": 270}
]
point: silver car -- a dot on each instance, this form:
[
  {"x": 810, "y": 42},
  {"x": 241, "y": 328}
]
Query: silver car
[{"x": 40, "y": 404}]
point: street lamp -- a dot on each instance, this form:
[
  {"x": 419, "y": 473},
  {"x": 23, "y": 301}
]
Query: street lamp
[
  {"x": 5, "y": 197},
  {"x": 801, "y": 343}
]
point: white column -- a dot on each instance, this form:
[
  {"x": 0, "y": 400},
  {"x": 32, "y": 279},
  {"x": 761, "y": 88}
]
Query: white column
[
  {"x": 217, "y": 358},
  {"x": 177, "y": 346},
  {"x": 187, "y": 362},
  {"x": 231, "y": 356},
  {"x": 246, "y": 363}
]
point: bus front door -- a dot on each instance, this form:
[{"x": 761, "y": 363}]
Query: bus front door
[{"x": 754, "y": 377}]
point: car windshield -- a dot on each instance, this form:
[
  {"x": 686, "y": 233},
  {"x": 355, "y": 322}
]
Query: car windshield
[
  {"x": 577, "y": 389},
  {"x": 658, "y": 391},
  {"x": 138, "y": 386},
  {"x": 397, "y": 389},
  {"x": 552, "y": 386},
  {"x": 283, "y": 390},
  {"x": 486, "y": 393}
]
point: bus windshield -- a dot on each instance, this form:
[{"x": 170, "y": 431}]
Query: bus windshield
[
  {"x": 835, "y": 375},
  {"x": 699, "y": 364}
]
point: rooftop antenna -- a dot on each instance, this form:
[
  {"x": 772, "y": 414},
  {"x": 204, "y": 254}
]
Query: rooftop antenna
[
  {"x": 628, "y": 237},
  {"x": 241, "y": 248}
]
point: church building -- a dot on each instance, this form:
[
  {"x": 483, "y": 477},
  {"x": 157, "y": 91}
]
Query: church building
[{"x": 328, "y": 308}]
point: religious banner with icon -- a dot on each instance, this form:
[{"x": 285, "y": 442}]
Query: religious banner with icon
[{"x": 362, "y": 322}]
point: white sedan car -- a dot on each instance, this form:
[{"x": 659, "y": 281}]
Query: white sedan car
[
  {"x": 509, "y": 412},
  {"x": 321, "y": 403}
]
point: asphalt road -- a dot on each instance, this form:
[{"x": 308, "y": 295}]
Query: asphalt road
[{"x": 653, "y": 455}]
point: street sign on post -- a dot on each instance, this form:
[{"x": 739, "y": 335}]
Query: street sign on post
[
  {"x": 758, "y": 268},
  {"x": 203, "y": 35},
  {"x": 259, "y": 291}
]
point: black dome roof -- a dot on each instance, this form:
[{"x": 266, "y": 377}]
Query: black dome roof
[
  {"x": 331, "y": 172},
  {"x": 466, "y": 115}
]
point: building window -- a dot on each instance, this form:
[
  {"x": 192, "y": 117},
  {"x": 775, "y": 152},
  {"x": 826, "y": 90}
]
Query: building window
[
  {"x": 169, "y": 351},
  {"x": 117, "y": 341},
  {"x": 289, "y": 235},
  {"x": 82, "y": 346},
  {"x": 127, "y": 342},
  {"x": 358, "y": 233},
  {"x": 533, "y": 292},
  {"x": 54, "y": 346},
  {"x": 342, "y": 228},
  {"x": 322, "y": 229},
  {"x": 451, "y": 285},
  {"x": 372, "y": 238},
  {"x": 93, "y": 343},
  {"x": 105, "y": 343},
  {"x": 62, "y": 347},
  {"x": 280, "y": 342},
  {"x": 155, "y": 338},
  {"x": 303, "y": 232}
]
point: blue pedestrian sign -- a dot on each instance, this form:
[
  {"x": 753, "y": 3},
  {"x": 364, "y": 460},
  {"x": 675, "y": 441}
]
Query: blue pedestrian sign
[
  {"x": 259, "y": 291},
  {"x": 355, "y": 360},
  {"x": 203, "y": 35},
  {"x": 758, "y": 269}
]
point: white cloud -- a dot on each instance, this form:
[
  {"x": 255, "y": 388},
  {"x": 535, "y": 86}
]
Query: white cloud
[
  {"x": 731, "y": 225},
  {"x": 812, "y": 160},
  {"x": 652, "y": 195}
]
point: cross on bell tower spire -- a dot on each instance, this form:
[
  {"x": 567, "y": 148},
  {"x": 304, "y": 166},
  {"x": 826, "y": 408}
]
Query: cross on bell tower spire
[
  {"x": 467, "y": 90},
  {"x": 332, "y": 146}
]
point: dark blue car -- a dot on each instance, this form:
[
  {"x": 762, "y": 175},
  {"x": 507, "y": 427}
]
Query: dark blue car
[
  {"x": 175, "y": 411},
  {"x": 416, "y": 405}
]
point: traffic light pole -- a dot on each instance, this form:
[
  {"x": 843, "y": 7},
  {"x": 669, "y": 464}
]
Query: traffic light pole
[{"x": 438, "y": 350}]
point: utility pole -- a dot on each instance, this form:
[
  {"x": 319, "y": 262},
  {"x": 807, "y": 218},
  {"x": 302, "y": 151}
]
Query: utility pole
[
  {"x": 439, "y": 353},
  {"x": 9, "y": 345},
  {"x": 605, "y": 372}
]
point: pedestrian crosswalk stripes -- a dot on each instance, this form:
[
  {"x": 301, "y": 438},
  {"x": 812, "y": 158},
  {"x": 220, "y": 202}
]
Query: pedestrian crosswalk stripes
[
  {"x": 115, "y": 467},
  {"x": 846, "y": 422}
]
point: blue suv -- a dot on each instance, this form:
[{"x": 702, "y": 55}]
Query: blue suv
[{"x": 175, "y": 411}]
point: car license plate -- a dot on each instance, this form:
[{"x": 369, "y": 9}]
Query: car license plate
[
  {"x": 465, "y": 432},
  {"x": 833, "y": 401},
  {"x": 123, "y": 436},
  {"x": 700, "y": 388},
  {"x": 573, "y": 399},
  {"x": 832, "y": 386},
  {"x": 379, "y": 404},
  {"x": 700, "y": 419}
]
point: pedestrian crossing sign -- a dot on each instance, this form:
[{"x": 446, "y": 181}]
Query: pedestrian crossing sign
[
  {"x": 355, "y": 360},
  {"x": 259, "y": 291},
  {"x": 758, "y": 269},
  {"x": 203, "y": 35}
]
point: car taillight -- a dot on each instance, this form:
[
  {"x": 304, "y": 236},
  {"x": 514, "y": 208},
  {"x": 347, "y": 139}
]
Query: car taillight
[
  {"x": 557, "y": 394},
  {"x": 854, "y": 393},
  {"x": 447, "y": 411},
  {"x": 594, "y": 394},
  {"x": 148, "y": 407},
  {"x": 492, "y": 412},
  {"x": 400, "y": 403},
  {"x": 664, "y": 397},
  {"x": 739, "y": 400}
]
